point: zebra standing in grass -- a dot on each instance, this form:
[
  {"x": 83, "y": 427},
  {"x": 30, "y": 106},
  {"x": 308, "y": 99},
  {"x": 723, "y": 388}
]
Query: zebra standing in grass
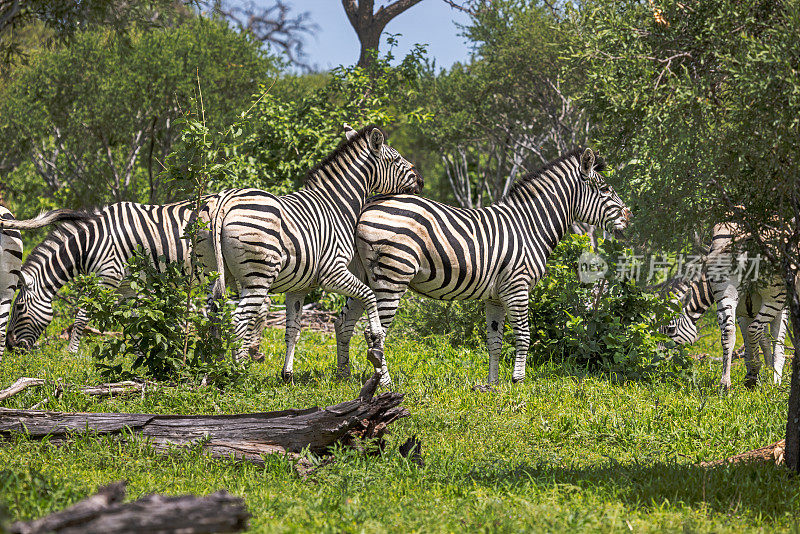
[
  {"x": 11, "y": 256},
  {"x": 763, "y": 305},
  {"x": 103, "y": 245},
  {"x": 495, "y": 254},
  {"x": 296, "y": 242}
]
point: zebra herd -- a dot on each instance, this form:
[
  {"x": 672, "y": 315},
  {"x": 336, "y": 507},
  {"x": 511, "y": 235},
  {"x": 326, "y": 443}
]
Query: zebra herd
[{"x": 330, "y": 234}]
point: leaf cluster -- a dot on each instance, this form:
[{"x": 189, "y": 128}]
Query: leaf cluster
[{"x": 162, "y": 325}]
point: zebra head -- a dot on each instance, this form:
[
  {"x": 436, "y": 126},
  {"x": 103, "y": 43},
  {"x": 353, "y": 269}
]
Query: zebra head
[
  {"x": 598, "y": 203},
  {"x": 682, "y": 330},
  {"x": 392, "y": 172},
  {"x": 29, "y": 317}
]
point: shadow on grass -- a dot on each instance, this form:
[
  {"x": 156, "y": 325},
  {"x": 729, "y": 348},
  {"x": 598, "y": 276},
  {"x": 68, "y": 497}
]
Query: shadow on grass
[{"x": 760, "y": 487}]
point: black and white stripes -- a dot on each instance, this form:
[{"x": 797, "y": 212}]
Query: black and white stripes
[
  {"x": 11, "y": 255},
  {"x": 102, "y": 244},
  {"x": 303, "y": 240},
  {"x": 494, "y": 254}
]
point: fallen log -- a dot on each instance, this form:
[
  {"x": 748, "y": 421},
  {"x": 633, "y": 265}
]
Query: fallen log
[
  {"x": 19, "y": 386},
  {"x": 101, "y": 390},
  {"x": 770, "y": 453},
  {"x": 104, "y": 512},
  {"x": 246, "y": 437}
]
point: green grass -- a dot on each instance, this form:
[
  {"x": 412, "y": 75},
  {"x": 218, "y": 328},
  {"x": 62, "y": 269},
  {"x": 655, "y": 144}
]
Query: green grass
[{"x": 561, "y": 452}]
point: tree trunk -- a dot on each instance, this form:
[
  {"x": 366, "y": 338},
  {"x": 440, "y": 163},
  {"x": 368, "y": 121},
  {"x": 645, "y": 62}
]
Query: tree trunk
[
  {"x": 370, "y": 39},
  {"x": 244, "y": 436},
  {"x": 103, "y": 512},
  {"x": 792, "y": 452}
]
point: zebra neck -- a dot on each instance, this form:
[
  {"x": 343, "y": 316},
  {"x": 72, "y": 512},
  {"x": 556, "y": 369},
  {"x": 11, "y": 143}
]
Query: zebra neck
[
  {"x": 699, "y": 300},
  {"x": 544, "y": 211},
  {"x": 53, "y": 264},
  {"x": 342, "y": 182}
]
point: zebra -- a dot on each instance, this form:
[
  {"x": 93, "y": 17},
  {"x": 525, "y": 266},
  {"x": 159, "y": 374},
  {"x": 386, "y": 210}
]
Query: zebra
[
  {"x": 764, "y": 304},
  {"x": 101, "y": 244},
  {"x": 699, "y": 297},
  {"x": 11, "y": 255},
  {"x": 495, "y": 254},
  {"x": 302, "y": 240}
]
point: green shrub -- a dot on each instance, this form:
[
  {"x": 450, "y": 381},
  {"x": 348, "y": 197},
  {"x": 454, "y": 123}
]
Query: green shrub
[
  {"x": 163, "y": 327},
  {"x": 610, "y": 326}
]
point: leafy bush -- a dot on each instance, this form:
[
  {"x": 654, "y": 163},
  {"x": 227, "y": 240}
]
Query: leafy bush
[
  {"x": 163, "y": 327},
  {"x": 610, "y": 326}
]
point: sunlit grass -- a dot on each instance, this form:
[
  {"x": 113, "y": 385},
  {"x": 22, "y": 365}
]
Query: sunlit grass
[{"x": 560, "y": 452}]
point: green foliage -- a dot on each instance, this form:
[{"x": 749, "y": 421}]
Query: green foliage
[
  {"x": 162, "y": 325},
  {"x": 611, "y": 327},
  {"x": 694, "y": 99},
  {"x": 290, "y": 128},
  {"x": 94, "y": 121}
]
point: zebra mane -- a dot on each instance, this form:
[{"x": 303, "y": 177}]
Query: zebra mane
[
  {"x": 57, "y": 236},
  {"x": 599, "y": 166},
  {"x": 343, "y": 146}
]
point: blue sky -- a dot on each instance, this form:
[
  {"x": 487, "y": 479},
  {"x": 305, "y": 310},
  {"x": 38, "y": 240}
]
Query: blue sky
[{"x": 431, "y": 21}]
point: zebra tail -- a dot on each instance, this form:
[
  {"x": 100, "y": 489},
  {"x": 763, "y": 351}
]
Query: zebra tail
[
  {"x": 218, "y": 291},
  {"x": 47, "y": 218}
]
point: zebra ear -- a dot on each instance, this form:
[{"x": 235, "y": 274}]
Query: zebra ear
[
  {"x": 376, "y": 140},
  {"x": 349, "y": 132},
  {"x": 587, "y": 161}
]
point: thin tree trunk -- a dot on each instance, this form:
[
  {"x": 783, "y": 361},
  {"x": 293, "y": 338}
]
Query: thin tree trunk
[{"x": 792, "y": 451}]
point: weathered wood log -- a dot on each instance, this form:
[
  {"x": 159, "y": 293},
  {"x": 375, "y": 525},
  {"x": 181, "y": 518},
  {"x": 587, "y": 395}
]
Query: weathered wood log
[
  {"x": 101, "y": 390},
  {"x": 20, "y": 385},
  {"x": 103, "y": 512},
  {"x": 243, "y": 436}
]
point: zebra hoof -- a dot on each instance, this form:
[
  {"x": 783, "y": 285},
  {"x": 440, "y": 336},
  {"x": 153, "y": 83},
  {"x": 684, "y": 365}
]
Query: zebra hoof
[
  {"x": 750, "y": 382},
  {"x": 519, "y": 380},
  {"x": 375, "y": 357},
  {"x": 287, "y": 377},
  {"x": 256, "y": 356},
  {"x": 483, "y": 388}
]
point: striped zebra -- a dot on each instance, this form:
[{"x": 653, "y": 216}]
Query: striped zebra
[
  {"x": 11, "y": 255},
  {"x": 495, "y": 254},
  {"x": 102, "y": 244},
  {"x": 760, "y": 305},
  {"x": 699, "y": 296},
  {"x": 303, "y": 240}
]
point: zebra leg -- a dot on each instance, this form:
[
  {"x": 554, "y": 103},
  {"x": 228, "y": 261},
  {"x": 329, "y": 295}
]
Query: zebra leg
[
  {"x": 294, "y": 310},
  {"x": 771, "y": 309},
  {"x": 726, "y": 317},
  {"x": 344, "y": 326},
  {"x": 346, "y": 283},
  {"x": 245, "y": 317},
  {"x": 495, "y": 320},
  {"x": 5, "y": 310},
  {"x": 751, "y": 359},
  {"x": 81, "y": 320},
  {"x": 778, "y": 329},
  {"x": 517, "y": 310},
  {"x": 258, "y": 331}
]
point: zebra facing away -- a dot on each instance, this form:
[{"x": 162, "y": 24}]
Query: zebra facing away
[
  {"x": 102, "y": 244},
  {"x": 296, "y": 242},
  {"x": 495, "y": 254},
  {"x": 11, "y": 255}
]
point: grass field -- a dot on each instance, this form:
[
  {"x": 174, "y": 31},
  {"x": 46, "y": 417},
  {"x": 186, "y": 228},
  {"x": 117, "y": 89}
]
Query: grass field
[{"x": 561, "y": 452}]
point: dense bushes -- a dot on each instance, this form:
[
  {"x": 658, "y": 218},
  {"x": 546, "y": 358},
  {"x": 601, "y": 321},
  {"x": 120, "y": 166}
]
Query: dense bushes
[
  {"x": 163, "y": 325},
  {"x": 609, "y": 326}
]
